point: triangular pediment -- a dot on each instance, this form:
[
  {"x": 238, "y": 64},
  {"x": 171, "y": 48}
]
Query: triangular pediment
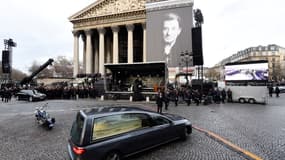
[{"x": 109, "y": 7}]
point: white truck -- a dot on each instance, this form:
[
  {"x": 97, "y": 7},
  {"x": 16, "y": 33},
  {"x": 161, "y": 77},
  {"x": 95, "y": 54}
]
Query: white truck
[{"x": 249, "y": 94}]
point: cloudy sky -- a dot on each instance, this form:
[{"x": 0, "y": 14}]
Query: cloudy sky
[{"x": 41, "y": 28}]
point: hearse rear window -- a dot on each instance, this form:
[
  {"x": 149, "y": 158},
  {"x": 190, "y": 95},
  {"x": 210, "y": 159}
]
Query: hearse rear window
[
  {"x": 115, "y": 124},
  {"x": 76, "y": 129}
]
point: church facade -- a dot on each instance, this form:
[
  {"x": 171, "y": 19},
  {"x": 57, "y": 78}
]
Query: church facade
[{"x": 113, "y": 32}]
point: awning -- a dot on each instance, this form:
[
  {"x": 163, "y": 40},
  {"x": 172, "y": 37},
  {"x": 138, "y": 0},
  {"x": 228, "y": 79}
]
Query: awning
[{"x": 137, "y": 67}]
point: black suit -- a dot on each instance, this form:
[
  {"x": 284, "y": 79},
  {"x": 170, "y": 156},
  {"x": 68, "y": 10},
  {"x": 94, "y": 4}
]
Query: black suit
[
  {"x": 174, "y": 55},
  {"x": 159, "y": 101}
]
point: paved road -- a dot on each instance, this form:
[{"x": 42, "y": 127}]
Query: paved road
[{"x": 259, "y": 129}]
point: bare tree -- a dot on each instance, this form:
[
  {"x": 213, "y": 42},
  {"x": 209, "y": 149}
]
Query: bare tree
[
  {"x": 213, "y": 74},
  {"x": 47, "y": 72},
  {"x": 63, "y": 67},
  {"x": 18, "y": 75}
]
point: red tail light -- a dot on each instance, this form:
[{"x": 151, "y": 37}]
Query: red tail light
[{"x": 78, "y": 150}]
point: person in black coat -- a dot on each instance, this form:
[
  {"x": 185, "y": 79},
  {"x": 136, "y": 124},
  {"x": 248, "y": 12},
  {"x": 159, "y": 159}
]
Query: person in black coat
[
  {"x": 188, "y": 96},
  {"x": 166, "y": 100},
  {"x": 138, "y": 85},
  {"x": 230, "y": 95},
  {"x": 224, "y": 95},
  {"x": 159, "y": 100},
  {"x": 270, "y": 88},
  {"x": 196, "y": 97},
  {"x": 277, "y": 91}
]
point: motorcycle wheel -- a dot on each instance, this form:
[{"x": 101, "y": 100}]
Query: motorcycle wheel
[
  {"x": 50, "y": 128},
  {"x": 30, "y": 99}
]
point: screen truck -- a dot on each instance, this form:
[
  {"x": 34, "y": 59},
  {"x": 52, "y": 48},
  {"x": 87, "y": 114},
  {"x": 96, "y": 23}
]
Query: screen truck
[
  {"x": 249, "y": 94},
  {"x": 248, "y": 81}
]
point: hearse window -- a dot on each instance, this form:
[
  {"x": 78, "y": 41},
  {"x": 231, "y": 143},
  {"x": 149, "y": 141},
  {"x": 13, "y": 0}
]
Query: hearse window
[
  {"x": 117, "y": 124},
  {"x": 160, "y": 121},
  {"x": 76, "y": 129}
]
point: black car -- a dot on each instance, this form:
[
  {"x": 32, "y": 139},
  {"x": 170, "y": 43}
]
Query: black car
[
  {"x": 113, "y": 133},
  {"x": 30, "y": 95}
]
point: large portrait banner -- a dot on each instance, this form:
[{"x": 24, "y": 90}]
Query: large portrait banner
[{"x": 169, "y": 25}]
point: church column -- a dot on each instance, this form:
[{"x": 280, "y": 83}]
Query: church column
[
  {"x": 83, "y": 37},
  {"x": 102, "y": 32},
  {"x": 96, "y": 54},
  {"x": 115, "y": 30},
  {"x": 88, "y": 51},
  {"x": 76, "y": 53},
  {"x": 130, "y": 28},
  {"x": 144, "y": 42},
  {"x": 108, "y": 49}
]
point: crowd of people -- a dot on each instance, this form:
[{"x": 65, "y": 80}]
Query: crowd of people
[
  {"x": 189, "y": 95},
  {"x": 54, "y": 92},
  {"x": 69, "y": 92},
  {"x": 6, "y": 94},
  {"x": 163, "y": 98},
  {"x": 272, "y": 90}
]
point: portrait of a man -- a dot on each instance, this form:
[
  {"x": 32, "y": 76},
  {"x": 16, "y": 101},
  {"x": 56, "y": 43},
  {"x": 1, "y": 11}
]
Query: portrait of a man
[
  {"x": 168, "y": 34},
  {"x": 171, "y": 31}
]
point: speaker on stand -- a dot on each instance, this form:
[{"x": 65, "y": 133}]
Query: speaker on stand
[
  {"x": 197, "y": 48},
  {"x": 6, "y": 66}
]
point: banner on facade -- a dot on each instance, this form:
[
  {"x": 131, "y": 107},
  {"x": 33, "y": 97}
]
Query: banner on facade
[{"x": 169, "y": 25}]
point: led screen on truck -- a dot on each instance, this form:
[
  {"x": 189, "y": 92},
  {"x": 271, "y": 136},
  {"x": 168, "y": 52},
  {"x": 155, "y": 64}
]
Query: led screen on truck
[{"x": 247, "y": 72}]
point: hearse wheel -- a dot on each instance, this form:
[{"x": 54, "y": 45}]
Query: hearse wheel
[
  {"x": 185, "y": 134},
  {"x": 113, "y": 156}
]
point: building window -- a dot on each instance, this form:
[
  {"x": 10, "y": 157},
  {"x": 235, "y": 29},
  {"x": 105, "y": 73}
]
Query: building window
[
  {"x": 123, "y": 46},
  {"x": 138, "y": 44}
]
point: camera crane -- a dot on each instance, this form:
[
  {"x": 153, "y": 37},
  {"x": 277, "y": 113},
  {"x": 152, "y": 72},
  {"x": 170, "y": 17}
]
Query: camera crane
[{"x": 28, "y": 79}]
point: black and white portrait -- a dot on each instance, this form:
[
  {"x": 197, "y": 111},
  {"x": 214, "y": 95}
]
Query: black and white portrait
[
  {"x": 169, "y": 34},
  {"x": 171, "y": 30}
]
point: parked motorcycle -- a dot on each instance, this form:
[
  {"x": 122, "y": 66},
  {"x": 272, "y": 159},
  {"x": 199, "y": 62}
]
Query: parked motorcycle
[{"x": 43, "y": 118}]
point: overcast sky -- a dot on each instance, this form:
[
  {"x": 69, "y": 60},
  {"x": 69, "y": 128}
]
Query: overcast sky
[{"x": 41, "y": 28}]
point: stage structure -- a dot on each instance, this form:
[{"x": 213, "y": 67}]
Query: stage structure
[
  {"x": 122, "y": 82},
  {"x": 118, "y": 33}
]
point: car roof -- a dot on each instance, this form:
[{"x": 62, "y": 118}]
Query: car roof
[
  {"x": 26, "y": 90},
  {"x": 112, "y": 110}
]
